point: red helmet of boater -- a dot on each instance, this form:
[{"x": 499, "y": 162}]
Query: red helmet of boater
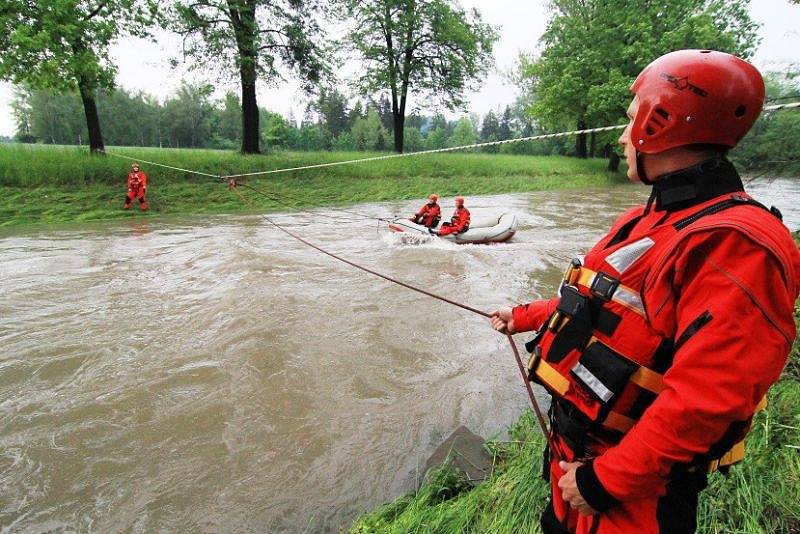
[{"x": 695, "y": 97}]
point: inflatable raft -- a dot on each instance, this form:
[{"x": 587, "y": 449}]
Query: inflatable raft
[{"x": 482, "y": 230}]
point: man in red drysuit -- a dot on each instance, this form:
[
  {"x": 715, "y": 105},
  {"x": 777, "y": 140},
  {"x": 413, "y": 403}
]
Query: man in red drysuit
[
  {"x": 137, "y": 188},
  {"x": 430, "y": 214},
  {"x": 459, "y": 222},
  {"x": 667, "y": 335}
]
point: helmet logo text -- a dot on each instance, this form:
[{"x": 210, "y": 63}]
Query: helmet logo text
[{"x": 681, "y": 84}]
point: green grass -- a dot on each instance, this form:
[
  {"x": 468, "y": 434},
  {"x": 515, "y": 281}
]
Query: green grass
[
  {"x": 46, "y": 184},
  {"x": 760, "y": 495}
]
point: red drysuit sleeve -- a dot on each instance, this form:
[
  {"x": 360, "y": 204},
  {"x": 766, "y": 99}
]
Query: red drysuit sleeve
[
  {"x": 720, "y": 374},
  {"x": 529, "y": 317},
  {"x": 144, "y": 181}
]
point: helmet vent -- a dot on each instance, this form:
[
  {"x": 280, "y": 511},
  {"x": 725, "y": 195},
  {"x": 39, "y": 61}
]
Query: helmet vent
[
  {"x": 740, "y": 111},
  {"x": 658, "y": 121}
]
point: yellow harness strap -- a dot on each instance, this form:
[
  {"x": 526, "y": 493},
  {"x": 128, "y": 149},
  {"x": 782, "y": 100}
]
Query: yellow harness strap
[
  {"x": 737, "y": 452},
  {"x": 548, "y": 375},
  {"x": 648, "y": 379}
]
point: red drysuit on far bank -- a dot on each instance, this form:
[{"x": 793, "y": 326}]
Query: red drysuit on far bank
[{"x": 137, "y": 187}]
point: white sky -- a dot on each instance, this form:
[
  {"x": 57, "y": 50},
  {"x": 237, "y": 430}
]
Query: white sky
[{"x": 144, "y": 66}]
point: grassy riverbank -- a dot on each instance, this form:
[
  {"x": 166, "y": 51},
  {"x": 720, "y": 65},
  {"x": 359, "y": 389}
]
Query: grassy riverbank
[
  {"x": 761, "y": 495},
  {"x": 45, "y": 184}
]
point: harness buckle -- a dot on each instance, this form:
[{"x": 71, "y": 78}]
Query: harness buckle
[
  {"x": 604, "y": 286},
  {"x": 572, "y": 273}
]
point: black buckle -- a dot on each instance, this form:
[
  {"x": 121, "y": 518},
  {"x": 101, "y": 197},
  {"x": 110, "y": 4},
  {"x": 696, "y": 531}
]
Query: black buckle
[
  {"x": 571, "y": 302},
  {"x": 604, "y": 286}
]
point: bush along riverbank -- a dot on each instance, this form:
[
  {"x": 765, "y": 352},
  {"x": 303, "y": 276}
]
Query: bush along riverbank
[
  {"x": 759, "y": 495},
  {"x": 45, "y": 184}
]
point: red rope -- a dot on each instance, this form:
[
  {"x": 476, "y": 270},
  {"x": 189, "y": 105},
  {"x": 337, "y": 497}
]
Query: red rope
[{"x": 536, "y": 408}]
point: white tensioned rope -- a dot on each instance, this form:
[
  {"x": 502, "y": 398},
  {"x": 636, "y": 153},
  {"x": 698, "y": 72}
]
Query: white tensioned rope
[
  {"x": 161, "y": 165},
  {"x": 467, "y": 147},
  {"x": 775, "y": 107},
  {"x": 435, "y": 151}
]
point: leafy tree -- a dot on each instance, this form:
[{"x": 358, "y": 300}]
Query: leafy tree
[
  {"x": 64, "y": 45},
  {"x": 230, "y": 118},
  {"x": 188, "y": 116},
  {"x": 505, "y": 129},
  {"x": 369, "y": 133},
  {"x": 429, "y": 47},
  {"x": 257, "y": 39},
  {"x": 276, "y": 132},
  {"x": 344, "y": 142},
  {"x": 490, "y": 131},
  {"x": 593, "y": 49},
  {"x": 331, "y": 105},
  {"x": 437, "y": 138},
  {"x": 413, "y": 139},
  {"x": 464, "y": 133}
]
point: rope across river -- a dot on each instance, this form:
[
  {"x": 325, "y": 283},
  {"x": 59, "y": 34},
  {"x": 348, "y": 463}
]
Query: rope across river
[{"x": 232, "y": 181}]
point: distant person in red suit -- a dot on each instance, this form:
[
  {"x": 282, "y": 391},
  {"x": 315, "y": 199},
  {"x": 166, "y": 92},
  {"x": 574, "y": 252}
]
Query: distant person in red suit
[
  {"x": 459, "y": 222},
  {"x": 430, "y": 214},
  {"x": 137, "y": 188}
]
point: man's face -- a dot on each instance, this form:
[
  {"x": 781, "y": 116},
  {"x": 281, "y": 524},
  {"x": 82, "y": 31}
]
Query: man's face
[
  {"x": 628, "y": 148},
  {"x": 135, "y": 168}
]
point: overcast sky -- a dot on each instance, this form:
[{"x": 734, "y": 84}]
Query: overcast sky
[{"x": 144, "y": 66}]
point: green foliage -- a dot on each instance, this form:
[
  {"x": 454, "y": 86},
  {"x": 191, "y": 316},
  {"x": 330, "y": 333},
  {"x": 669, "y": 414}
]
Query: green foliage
[
  {"x": 464, "y": 133},
  {"x": 265, "y": 35},
  {"x": 432, "y": 48},
  {"x": 773, "y": 144},
  {"x": 369, "y": 133},
  {"x": 593, "y": 50},
  {"x": 55, "y": 44}
]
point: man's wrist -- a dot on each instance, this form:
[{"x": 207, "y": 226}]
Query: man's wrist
[{"x": 592, "y": 490}]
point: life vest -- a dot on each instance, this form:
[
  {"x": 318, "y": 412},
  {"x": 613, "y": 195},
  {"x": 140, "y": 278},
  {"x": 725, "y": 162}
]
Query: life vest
[
  {"x": 430, "y": 215},
  {"x": 460, "y": 219},
  {"x": 598, "y": 354},
  {"x": 137, "y": 181}
]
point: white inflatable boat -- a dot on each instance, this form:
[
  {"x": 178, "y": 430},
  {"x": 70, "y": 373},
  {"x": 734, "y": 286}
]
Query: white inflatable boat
[{"x": 481, "y": 230}]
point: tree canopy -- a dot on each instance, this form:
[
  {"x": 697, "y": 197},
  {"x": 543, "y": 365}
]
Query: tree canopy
[
  {"x": 64, "y": 45},
  {"x": 593, "y": 49},
  {"x": 256, "y": 40},
  {"x": 432, "y": 48}
]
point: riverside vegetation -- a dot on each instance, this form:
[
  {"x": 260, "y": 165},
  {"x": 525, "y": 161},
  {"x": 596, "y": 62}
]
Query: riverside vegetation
[
  {"x": 51, "y": 184},
  {"x": 759, "y": 495}
]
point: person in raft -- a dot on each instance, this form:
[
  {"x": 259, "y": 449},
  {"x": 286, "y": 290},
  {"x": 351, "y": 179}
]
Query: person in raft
[
  {"x": 137, "y": 188},
  {"x": 459, "y": 222},
  {"x": 667, "y": 335},
  {"x": 430, "y": 214}
]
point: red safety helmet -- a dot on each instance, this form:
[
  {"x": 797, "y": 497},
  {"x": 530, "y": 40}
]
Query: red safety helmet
[
  {"x": 459, "y": 201},
  {"x": 433, "y": 197},
  {"x": 695, "y": 97}
]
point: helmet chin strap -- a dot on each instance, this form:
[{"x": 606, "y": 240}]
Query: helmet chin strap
[{"x": 640, "y": 169}]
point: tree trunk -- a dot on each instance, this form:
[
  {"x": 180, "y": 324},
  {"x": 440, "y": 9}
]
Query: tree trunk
[
  {"x": 92, "y": 118},
  {"x": 399, "y": 126},
  {"x": 250, "y": 127},
  {"x": 245, "y": 29},
  {"x": 613, "y": 158},
  {"x": 592, "y": 144},
  {"x": 580, "y": 141}
]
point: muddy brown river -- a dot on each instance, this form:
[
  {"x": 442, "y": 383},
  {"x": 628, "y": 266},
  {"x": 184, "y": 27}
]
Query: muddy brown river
[{"x": 206, "y": 375}]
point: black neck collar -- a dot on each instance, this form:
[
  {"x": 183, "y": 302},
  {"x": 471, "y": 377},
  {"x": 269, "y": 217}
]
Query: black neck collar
[{"x": 693, "y": 185}]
